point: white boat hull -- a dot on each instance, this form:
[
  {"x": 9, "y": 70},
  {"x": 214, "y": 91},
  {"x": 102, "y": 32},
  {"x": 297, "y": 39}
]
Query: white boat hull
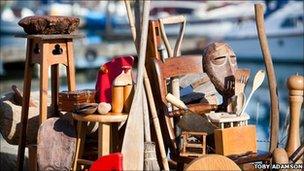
[{"x": 282, "y": 47}]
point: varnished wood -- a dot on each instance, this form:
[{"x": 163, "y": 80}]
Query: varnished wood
[
  {"x": 104, "y": 139},
  {"x": 44, "y": 72},
  {"x": 25, "y": 105},
  {"x": 110, "y": 117},
  {"x": 70, "y": 67},
  {"x": 274, "y": 100},
  {"x": 40, "y": 49},
  {"x": 212, "y": 162},
  {"x": 235, "y": 140},
  {"x": 79, "y": 141},
  {"x": 295, "y": 85},
  {"x": 177, "y": 66}
]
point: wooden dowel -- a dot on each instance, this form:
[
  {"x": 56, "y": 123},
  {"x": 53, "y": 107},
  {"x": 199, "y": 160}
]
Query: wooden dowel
[{"x": 272, "y": 83}]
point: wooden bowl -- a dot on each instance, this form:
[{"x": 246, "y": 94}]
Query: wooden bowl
[{"x": 86, "y": 108}]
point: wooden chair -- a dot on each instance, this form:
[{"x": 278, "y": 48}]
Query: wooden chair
[{"x": 164, "y": 70}]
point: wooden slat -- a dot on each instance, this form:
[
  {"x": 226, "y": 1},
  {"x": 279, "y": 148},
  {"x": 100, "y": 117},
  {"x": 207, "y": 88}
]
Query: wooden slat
[{"x": 110, "y": 117}]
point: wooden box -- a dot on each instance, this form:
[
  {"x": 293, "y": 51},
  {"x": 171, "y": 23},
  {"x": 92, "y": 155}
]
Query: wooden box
[
  {"x": 235, "y": 140},
  {"x": 69, "y": 99}
]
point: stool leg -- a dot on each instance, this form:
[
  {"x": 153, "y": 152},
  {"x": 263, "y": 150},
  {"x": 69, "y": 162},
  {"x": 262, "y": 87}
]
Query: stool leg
[
  {"x": 70, "y": 67},
  {"x": 55, "y": 87},
  {"x": 43, "y": 92},
  {"x": 103, "y": 139},
  {"x": 32, "y": 153},
  {"x": 25, "y": 105}
]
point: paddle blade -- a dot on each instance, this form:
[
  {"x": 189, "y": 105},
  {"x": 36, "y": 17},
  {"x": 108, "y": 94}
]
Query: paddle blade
[{"x": 258, "y": 79}]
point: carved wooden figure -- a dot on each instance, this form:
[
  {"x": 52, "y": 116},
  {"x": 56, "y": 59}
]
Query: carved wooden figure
[{"x": 295, "y": 85}]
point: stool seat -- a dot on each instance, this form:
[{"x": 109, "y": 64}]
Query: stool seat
[{"x": 50, "y": 36}]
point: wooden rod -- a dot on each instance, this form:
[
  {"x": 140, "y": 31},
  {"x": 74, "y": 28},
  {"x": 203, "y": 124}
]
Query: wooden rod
[{"x": 272, "y": 83}]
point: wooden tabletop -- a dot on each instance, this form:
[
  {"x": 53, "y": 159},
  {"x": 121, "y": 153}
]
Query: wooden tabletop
[
  {"x": 108, "y": 118},
  {"x": 50, "y": 36}
]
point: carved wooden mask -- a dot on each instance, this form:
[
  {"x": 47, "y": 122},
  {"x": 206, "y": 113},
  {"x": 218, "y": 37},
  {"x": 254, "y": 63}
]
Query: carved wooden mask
[{"x": 219, "y": 62}]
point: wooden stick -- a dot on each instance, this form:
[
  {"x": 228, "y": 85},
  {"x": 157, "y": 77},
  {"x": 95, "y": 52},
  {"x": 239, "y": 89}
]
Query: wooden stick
[
  {"x": 274, "y": 118},
  {"x": 150, "y": 97},
  {"x": 133, "y": 143}
]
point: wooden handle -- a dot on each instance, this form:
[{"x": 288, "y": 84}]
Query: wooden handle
[
  {"x": 176, "y": 102},
  {"x": 173, "y": 19},
  {"x": 297, "y": 154},
  {"x": 199, "y": 108},
  {"x": 274, "y": 118},
  {"x": 295, "y": 85},
  {"x": 279, "y": 156}
]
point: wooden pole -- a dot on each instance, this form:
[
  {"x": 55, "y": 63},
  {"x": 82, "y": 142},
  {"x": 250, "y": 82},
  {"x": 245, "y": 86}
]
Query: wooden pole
[
  {"x": 272, "y": 83},
  {"x": 295, "y": 85},
  {"x": 149, "y": 95},
  {"x": 133, "y": 142}
]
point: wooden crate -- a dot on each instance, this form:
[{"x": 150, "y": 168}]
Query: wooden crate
[
  {"x": 235, "y": 140},
  {"x": 68, "y": 100}
]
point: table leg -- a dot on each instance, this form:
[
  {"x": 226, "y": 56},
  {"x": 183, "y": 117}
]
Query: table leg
[
  {"x": 79, "y": 141},
  {"x": 103, "y": 139}
]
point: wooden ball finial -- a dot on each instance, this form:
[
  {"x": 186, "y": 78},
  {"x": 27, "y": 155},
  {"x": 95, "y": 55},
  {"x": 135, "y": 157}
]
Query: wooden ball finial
[{"x": 295, "y": 82}]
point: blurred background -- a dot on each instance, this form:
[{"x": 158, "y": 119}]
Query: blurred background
[{"x": 107, "y": 34}]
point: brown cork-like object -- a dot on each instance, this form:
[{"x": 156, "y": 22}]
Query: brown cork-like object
[
  {"x": 295, "y": 85},
  {"x": 49, "y": 24}
]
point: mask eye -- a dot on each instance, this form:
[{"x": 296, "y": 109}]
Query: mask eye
[
  {"x": 233, "y": 59},
  {"x": 219, "y": 60}
]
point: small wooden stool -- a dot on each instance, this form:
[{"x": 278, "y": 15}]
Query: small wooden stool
[
  {"x": 195, "y": 149},
  {"x": 104, "y": 133},
  {"x": 48, "y": 51}
]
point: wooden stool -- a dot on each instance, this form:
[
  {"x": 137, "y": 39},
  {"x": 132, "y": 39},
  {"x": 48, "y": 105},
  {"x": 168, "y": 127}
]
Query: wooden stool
[
  {"x": 193, "y": 148},
  {"x": 48, "y": 51},
  {"x": 104, "y": 133}
]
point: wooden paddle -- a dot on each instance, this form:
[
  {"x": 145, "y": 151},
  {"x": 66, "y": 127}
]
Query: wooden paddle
[
  {"x": 257, "y": 82},
  {"x": 149, "y": 94},
  {"x": 133, "y": 142},
  {"x": 274, "y": 100}
]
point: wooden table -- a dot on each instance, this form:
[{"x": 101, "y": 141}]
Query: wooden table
[{"x": 104, "y": 131}]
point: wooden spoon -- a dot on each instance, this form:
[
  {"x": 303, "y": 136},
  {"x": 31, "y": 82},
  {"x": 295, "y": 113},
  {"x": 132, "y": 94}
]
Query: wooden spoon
[{"x": 257, "y": 82}]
